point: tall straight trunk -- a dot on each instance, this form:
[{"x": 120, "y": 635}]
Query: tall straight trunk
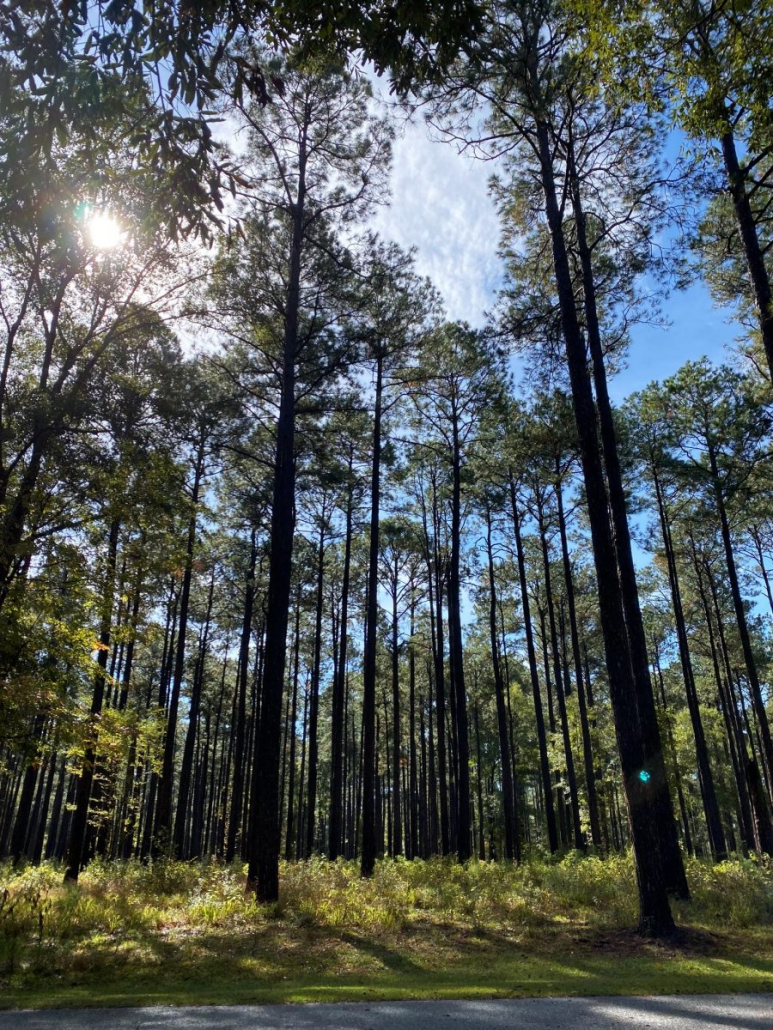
[
  {"x": 763, "y": 825},
  {"x": 56, "y": 810},
  {"x": 755, "y": 535},
  {"x": 463, "y": 838},
  {"x": 31, "y": 772},
  {"x": 539, "y": 715},
  {"x": 240, "y": 727},
  {"x": 413, "y": 783},
  {"x": 705, "y": 775},
  {"x": 508, "y": 793},
  {"x": 479, "y": 782},
  {"x": 311, "y": 804},
  {"x": 740, "y": 613},
  {"x": 186, "y": 767},
  {"x": 636, "y": 747},
  {"x": 658, "y": 797},
  {"x": 397, "y": 827},
  {"x": 434, "y": 818},
  {"x": 163, "y": 823},
  {"x": 338, "y": 728},
  {"x": 730, "y": 716},
  {"x": 79, "y": 819},
  {"x": 587, "y": 748},
  {"x": 291, "y": 729},
  {"x": 440, "y": 708},
  {"x": 687, "y": 832},
  {"x": 302, "y": 778},
  {"x": 755, "y": 257},
  {"x": 574, "y": 804},
  {"x": 369, "y": 829},
  {"x": 35, "y": 847},
  {"x": 264, "y": 853}
]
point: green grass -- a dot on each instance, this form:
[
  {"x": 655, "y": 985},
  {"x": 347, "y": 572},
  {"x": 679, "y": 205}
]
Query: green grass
[{"x": 186, "y": 934}]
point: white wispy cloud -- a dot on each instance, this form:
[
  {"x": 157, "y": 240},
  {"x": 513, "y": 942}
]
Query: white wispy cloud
[{"x": 441, "y": 206}]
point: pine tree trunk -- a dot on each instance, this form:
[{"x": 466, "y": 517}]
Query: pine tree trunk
[
  {"x": 186, "y": 767},
  {"x": 508, "y": 795},
  {"x": 755, "y": 258},
  {"x": 662, "y": 818},
  {"x": 369, "y": 742},
  {"x": 635, "y": 755},
  {"x": 463, "y": 836},
  {"x": 163, "y": 821},
  {"x": 705, "y": 775},
  {"x": 397, "y": 827},
  {"x": 539, "y": 714},
  {"x": 79, "y": 820},
  {"x": 338, "y": 727},
  {"x": 590, "y": 778},
  {"x": 290, "y": 829},
  {"x": 311, "y": 805},
  {"x": 239, "y": 729},
  {"x": 740, "y": 614}
]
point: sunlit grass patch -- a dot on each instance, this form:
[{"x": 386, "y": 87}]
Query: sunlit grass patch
[{"x": 175, "y": 931}]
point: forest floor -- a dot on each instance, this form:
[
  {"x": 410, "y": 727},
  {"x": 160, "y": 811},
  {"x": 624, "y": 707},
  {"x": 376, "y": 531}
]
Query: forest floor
[{"x": 175, "y": 933}]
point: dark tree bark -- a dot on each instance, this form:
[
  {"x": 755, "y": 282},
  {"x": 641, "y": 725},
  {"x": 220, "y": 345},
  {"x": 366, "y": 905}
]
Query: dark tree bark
[
  {"x": 539, "y": 714},
  {"x": 79, "y": 820},
  {"x": 163, "y": 822},
  {"x": 740, "y": 612},
  {"x": 264, "y": 861},
  {"x": 338, "y": 726},
  {"x": 239, "y": 729},
  {"x": 369, "y": 827},
  {"x": 290, "y": 829},
  {"x": 636, "y": 745},
  {"x": 187, "y": 765},
  {"x": 463, "y": 836},
  {"x": 705, "y": 775},
  {"x": 755, "y": 257},
  {"x": 659, "y": 800},
  {"x": 590, "y": 778},
  {"x": 508, "y": 794},
  {"x": 311, "y": 804}
]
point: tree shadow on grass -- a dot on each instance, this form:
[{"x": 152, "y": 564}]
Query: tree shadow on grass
[{"x": 391, "y": 958}]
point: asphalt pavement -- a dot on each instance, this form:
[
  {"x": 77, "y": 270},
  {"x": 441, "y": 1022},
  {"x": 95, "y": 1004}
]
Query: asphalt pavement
[{"x": 682, "y": 1012}]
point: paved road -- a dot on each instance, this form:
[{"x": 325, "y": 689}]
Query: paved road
[{"x": 683, "y": 1012}]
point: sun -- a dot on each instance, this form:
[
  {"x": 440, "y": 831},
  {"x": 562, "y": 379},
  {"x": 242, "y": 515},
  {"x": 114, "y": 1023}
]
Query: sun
[{"x": 104, "y": 231}]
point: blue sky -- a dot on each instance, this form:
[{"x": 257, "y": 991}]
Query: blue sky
[{"x": 441, "y": 206}]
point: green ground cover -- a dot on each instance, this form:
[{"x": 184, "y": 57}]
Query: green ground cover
[{"x": 172, "y": 933}]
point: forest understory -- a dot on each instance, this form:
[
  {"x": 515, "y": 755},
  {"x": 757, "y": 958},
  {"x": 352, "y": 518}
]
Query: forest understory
[
  {"x": 350, "y": 646},
  {"x": 179, "y": 933}
]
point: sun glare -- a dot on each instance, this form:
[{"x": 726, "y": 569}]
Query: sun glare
[{"x": 104, "y": 231}]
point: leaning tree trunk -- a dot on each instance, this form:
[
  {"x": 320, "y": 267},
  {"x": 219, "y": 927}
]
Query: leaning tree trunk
[{"x": 755, "y": 256}]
